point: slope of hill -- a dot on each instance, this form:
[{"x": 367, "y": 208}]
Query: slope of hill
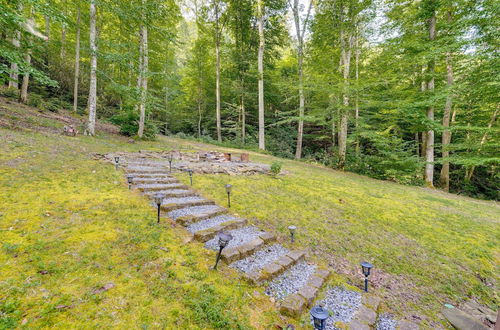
[{"x": 79, "y": 249}]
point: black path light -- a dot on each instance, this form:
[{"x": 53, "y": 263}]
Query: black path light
[
  {"x": 224, "y": 239},
  {"x": 190, "y": 172},
  {"x": 292, "y": 232},
  {"x": 228, "y": 190},
  {"x": 117, "y": 161},
  {"x": 158, "y": 199},
  {"x": 319, "y": 315},
  {"x": 130, "y": 179},
  {"x": 366, "y": 267},
  {"x": 170, "y": 159}
]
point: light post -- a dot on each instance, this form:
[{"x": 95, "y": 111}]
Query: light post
[
  {"x": 292, "y": 232},
  {"x": 228, "y": 190},
  {"x": 170, "y": 159},
  {"x": 366, "y": 267},
  {"x": 224, "y": 239},
  {"x": 190, "y": 172},
  {"x": 319, "y": 315},
  {"x": 117, "y": 161},
  {"x": 158, "y": 199},
  {"x": 130, "y": 179}
]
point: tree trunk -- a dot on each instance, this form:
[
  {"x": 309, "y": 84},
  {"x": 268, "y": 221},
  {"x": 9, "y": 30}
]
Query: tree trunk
[
  {"x": 92, "y": 102},
  {"x": 346, "y": 62},
  {"x": 260, "y": 22},
  {"x": 63, "y": 42},
  {"x": 14, "y": 68},
  {"x": 429, "y": 152},
  {"x": 356, "y": 115},
  {"x": 77, "y": 62},
  {"x": 217, "y": 72},
  {"x": 446, "y": 138},
  {"x": 300, "y": 60},
  {"x": 144, "y": 80},
  {"x": 243, "y": 120},
  {"x": 26, "y": 79}
]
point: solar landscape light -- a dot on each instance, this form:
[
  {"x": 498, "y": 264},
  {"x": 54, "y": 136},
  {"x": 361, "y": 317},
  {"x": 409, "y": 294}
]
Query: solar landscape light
[
  {"x": 292, "y": 232},
  {"x": 228, "y": 190},
  {"x": 319, "y": 315},
  {"x": 117, "y": 161},
  {"x": 224, "y": 239},
  {"x": 190, "y": 172},
  {"x": 170, "y": 159},
  {"x": 158, "y": 199},
  {"x": 366, "y": 267},
  {"x": 130, "y": 179}
]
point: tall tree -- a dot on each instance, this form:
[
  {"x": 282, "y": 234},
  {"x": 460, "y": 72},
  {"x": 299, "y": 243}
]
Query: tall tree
[
  {"x": 77, "y": 60},
  {"x": 92, "y": 101},
  {"x": 144, "y": 67},
  {"x": 218, "y": 33},
  {"x": 260, "y": 61},
  {"x": 300, "y": 29}
]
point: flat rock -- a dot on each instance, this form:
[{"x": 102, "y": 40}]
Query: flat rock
[
  {"x": 296, "y": 255},
  {"x": 293, "y": 305},
  {"x": 366, "y": 315},
  {"x": 462, "y": 320},
  {"x": 407, "y": 325},
  {"x": 308, "y": 293}
]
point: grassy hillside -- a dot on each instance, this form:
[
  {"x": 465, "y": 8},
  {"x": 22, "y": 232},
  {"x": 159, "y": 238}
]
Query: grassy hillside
[{"x": 69, "y": 226}]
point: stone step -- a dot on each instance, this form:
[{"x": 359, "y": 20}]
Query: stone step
[
  {"x": 345, "y": 307},
  {"x": 171, "y": 193},
  {"x": 254, "y": 263},
  {"x": 158, "y": 180},
  {"x": 147, "y": 169},
  {"x": 170, "y": 204},
  {"x": 159, "y": 175},
  {"x": 215, "y": 225},
  {"x": 150, "y": 187},
  {"x": 272, "y": 266},
  {"x": 192, "y": 214},
  {"x": 157, "y": 171},
  {"x": 245, "y": 241},
  {"x": 297, "y": 287}
]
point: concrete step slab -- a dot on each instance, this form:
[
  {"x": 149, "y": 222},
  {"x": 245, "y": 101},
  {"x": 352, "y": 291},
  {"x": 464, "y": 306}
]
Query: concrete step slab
[
  {"x": 216, "y": 225},
  {"x": 150, "y": 187}
]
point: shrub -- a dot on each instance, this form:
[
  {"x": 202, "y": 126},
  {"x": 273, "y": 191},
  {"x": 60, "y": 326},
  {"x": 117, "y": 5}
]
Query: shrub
[
  {"x": 9, "y": 92},
  {"x": 129, "y": 124},
  {"x": 276, "y": 168}
]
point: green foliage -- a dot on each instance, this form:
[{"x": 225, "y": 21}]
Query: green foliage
[
  {"x": 276, "y": 168},
  {"x": 9, "y": 92},
  {"x": 128, "y": 121}
]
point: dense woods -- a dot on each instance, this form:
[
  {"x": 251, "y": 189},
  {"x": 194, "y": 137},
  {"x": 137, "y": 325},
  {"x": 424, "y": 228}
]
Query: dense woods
[{"x": 398, "y": 90}]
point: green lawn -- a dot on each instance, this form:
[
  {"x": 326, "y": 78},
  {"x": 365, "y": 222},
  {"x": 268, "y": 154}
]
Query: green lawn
[{"x": 69, "y": 226}]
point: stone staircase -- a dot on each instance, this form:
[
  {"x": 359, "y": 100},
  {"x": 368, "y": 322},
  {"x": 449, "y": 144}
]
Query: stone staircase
[{"x": 288, "y": 277}]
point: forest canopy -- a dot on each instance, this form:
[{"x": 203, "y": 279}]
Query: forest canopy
[{"x": 399, "y": 90}]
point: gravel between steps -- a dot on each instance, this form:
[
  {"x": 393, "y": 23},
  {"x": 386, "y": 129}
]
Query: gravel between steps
[
  {"x": 209, "y": 223},
  {"x": 158, "y": 185},
  {"x": 290, "y": 281},
  {"x": 240, "y": 237},
  {"x": 193, "y": 210},
  {"x": 386, "y": 322},
  {"x": 260, "y": 258},
  {"x": 342, "y": 304}
]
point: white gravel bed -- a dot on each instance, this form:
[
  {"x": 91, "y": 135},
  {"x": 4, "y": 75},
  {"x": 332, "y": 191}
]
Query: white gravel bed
[
  {"x": 154, "y": 180},
  {"x": 290, "y": 281},
  {"x": 209, "y": 223},
  {"x": 182, "y": 200},
  {"x": 260, "y": 258},
  {"x": 170, "y": 192},
  {"x": 193, "y": 210},
  {"x": 240, "y": 237},
  {"x": 386, "y": 322},
  {"x": 342, "y": 305}
]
